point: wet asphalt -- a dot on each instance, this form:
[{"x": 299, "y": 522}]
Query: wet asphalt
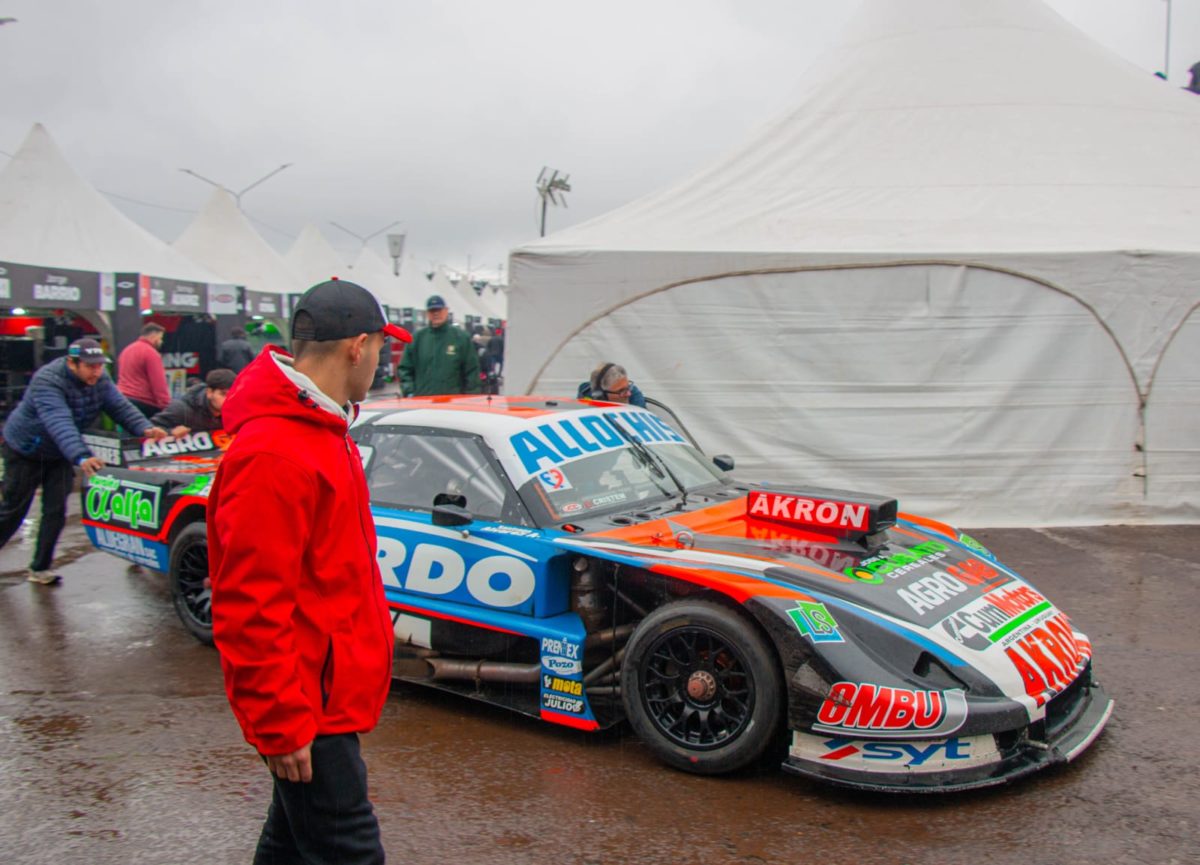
[{"x": 117, "y": 745}]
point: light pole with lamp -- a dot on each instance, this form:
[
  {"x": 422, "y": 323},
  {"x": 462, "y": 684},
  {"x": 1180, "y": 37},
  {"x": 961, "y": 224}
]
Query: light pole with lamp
[{"x": 237, "y": 196}]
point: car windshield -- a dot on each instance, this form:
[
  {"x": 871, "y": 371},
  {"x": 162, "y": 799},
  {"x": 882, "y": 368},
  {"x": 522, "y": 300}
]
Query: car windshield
[{"x": 618, "y": 478}]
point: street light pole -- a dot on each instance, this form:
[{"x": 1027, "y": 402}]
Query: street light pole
[
  {"x": 237, "y": 196},
  {"x": 1167, "y": 47},
  {"x": 360, "y": 238}
]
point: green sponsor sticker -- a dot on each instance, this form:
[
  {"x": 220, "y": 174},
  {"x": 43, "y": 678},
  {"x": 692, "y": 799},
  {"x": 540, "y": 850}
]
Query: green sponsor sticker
[
  {"x": 814, "y": 621},
  {"x": 109, "y": 500}
]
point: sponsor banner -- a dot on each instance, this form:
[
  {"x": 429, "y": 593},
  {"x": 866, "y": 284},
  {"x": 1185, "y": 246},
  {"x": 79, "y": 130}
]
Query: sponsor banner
[
  {"x": 196, "y": 442},
  {"x": 136, "y": 549},
  {"x": 107, "y": 447},
  {"x": 266, "y": 304},
  {"x": 553, "y": 481},
  {"x": 863, "y": 755},
  {"x": 875, "y": 568},
  {"x": 1048, "y": 658},
  {"x": 128, "y": 295},
  {"x": 173, "y": 295},
  {"x": 807, "y": 511},
  {"x": 582, "y": 434},
  {"x": 49, "y": 287},
  {"x": 223, "y": 299},
  {"x": 890, "y": 712},
  {"x": 437, "y": 563},
  {"x": 561, "y": 656},
  {"x": 108, "y": 292},
  {"x": 814, "y": 621},
  {"x": 178, "y": 365},
  {"x": 562, "y": 703},
  {"x": 998, "y": 618},
  {"x": 934, "y": 590},
  {"x": 112, "y": 500},
  {"x": 559, "y": 685}
]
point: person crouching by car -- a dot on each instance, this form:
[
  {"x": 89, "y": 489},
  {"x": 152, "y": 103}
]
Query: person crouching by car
[
  {"x": 199, "y": 409},
  {"x": 610, "y": 382},
  {"x": 43, "y": 444}
]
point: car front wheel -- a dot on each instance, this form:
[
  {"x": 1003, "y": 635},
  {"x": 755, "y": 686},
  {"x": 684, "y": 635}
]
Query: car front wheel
[
  {"x": 191, "y": 591},
  {"x": 701, "y": 687}
]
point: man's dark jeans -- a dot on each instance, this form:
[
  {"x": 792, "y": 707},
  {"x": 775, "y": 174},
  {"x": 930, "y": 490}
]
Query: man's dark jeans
[
  {"x": 22, "y": 477},
  {"x": 327, "y": 820}
]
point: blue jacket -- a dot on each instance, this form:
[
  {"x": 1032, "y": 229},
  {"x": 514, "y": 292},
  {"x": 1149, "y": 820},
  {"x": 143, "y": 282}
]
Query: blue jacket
[{"x": 56, "y": 406}]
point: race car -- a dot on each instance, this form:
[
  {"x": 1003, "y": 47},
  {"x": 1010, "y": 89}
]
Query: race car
[{"x": 585, "y": 563}]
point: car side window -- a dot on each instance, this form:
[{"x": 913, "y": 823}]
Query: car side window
[{"x": 409, "y": 468}]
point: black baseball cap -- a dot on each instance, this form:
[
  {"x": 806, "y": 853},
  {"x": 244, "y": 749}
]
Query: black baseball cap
[
  {"x": 219, "y": 379},
  {"x": 87, "y": 351},
  {"x": 342, "y": 309},
  {"x": 436, "y": 301}
]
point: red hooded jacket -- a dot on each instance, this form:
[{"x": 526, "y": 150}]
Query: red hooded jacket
[{"x": 299, "y": 615}]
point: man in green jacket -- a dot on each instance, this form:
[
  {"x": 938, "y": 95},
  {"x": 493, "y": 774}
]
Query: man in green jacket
[{"x": 441, "y": 358}]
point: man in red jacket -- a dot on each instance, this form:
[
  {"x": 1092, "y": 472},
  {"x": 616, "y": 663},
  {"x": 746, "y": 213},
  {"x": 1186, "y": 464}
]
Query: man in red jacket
[
  {"x": 299, "y": 616},
  {"x": 140, "y": 372}
]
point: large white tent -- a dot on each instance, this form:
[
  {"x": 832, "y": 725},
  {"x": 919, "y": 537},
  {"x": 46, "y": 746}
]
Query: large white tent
[
  {"x": 222, "y": 238},
  {"x": 459, "y": 295},
  {"x": 376, "y": 274},
  {"x": 313, "y": 258},
  {"x": 962, "y": 271},
  {"x": 51, "y": 216}
]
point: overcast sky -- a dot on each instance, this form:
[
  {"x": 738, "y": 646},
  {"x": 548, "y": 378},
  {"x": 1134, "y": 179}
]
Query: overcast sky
[{"x": 440, "y": 114}]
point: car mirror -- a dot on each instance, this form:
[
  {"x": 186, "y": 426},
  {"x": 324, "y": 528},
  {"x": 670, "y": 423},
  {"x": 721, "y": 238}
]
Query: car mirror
[
  {"x": 455, "y": 499},
  {"x": 451, "y": 515},
  {"x": 724, "y": 462}
]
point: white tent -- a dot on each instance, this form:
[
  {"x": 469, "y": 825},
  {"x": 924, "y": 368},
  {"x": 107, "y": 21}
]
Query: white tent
[
  {"x": 221, "y": 238},
  {"x": 314, "y": 259},
  {"x": 459, "y": 295},
  {"x": 415, "y": 286},
  {"x": 373, "y": 272},
  {"x": 495, "y": 301},
  {"x": 962, "y": 271},
  {"x": 51, "y": 216}
]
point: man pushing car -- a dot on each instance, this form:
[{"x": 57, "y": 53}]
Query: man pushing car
[{"x": 299, "y": 616}]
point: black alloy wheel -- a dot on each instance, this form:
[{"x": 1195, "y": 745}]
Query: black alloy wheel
[
  {"x": 191, "y": 591},
  {"x": 701, "y": 687}
]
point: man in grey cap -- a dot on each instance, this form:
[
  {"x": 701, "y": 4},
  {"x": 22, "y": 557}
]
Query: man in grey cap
[
  {"x": 442, "y": 358},
  {"x": 43, "y": 444}
]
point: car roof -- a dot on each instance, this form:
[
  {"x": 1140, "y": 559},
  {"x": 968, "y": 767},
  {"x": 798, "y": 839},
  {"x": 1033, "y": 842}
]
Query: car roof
[
  {"x": 528, "y": 434},
  {"x": 484, "y": 415}
]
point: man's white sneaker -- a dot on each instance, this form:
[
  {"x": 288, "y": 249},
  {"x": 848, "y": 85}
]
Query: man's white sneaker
[{"x": 43, "y": 578}]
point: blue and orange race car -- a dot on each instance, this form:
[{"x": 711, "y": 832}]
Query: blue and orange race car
[{"x": 585, "y": 563}]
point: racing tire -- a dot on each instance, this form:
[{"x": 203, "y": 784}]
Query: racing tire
[
  {"x": 701, "y": 687},
  {"x": 188, "y": 576}
]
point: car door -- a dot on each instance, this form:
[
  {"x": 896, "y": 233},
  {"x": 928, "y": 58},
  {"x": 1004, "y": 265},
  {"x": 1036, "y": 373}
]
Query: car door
[{"x": 491, "y": 567}]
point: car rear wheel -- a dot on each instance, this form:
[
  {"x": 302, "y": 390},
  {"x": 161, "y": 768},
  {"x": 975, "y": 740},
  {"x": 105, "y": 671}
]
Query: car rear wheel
[
  {"x": 190, "y": 588},
  {"x": 701, "y": 687}
]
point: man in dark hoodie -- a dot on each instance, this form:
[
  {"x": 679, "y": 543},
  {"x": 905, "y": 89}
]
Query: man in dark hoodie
[
  {"x": 199, "y": 409},
  {"x": 299, "y": 615},
  {"x": 235, "y": 353}
]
